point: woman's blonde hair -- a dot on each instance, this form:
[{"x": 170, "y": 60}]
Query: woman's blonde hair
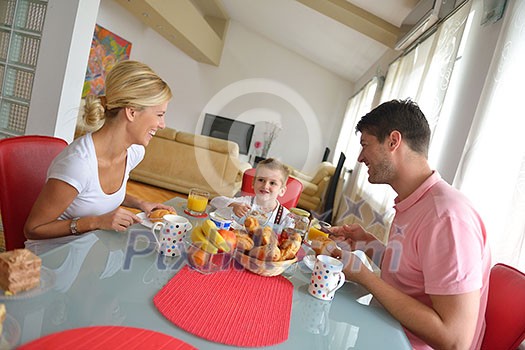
[{"x": 128, "y": 84}]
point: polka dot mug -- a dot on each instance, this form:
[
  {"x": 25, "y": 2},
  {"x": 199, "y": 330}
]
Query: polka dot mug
[
  {"x": 170, "y": 231},
  {"x": 327, "y": 277}
]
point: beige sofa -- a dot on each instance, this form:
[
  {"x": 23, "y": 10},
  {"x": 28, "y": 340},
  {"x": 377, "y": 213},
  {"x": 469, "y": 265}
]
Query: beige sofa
[
  {"x": 179, "y": 161},
  {"x": 314, "y": 186}
]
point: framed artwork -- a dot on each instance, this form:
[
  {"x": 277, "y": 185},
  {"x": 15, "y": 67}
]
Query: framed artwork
[{"x": 107, "y": 49}]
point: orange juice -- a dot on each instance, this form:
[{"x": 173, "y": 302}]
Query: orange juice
[
  {"x": 197, "y": 203},
  {"x": 313, "y": 233}
]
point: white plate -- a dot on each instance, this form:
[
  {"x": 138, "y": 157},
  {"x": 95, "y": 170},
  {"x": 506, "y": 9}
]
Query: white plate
[
  {"x": 47, "y": 280},
  {"x": 145, "y": 220}
]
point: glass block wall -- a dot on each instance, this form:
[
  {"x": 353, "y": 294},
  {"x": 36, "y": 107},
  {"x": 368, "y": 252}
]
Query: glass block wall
[{"x": 21, "y": 24}]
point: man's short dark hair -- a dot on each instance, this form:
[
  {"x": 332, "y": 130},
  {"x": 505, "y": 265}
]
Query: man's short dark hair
[{"x": 404, "y": 116}]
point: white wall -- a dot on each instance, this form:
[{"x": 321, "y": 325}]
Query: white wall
[
  {"x": 256, "y": 80},
  {"x": 61, "y": 67}
]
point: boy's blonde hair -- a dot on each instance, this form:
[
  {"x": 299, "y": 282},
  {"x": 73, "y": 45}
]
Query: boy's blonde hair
[{"x": 274, "y": 164}]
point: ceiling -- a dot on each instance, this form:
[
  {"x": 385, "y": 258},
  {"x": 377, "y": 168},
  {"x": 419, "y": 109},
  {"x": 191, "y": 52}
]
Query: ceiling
[
  {"x": 332, "y": 43},
  {"x": 346, "y": 37}
]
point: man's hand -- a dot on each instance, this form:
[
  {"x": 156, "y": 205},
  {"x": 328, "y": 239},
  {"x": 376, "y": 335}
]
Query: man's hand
[
  {"x": 352, "y": 234},
  {"x": 354, "y": 269}
]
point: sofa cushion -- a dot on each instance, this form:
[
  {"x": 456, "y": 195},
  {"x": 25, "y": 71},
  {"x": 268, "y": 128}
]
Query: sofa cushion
[
  {"x": 309, "y": 188},
  {"x": 166, "y": 133},
  {"x": 180, "y": 161},
  {"x": 298, "y": 175},
  {"x": 324, "y": 169},
  {"x": 207, "y": 142}
]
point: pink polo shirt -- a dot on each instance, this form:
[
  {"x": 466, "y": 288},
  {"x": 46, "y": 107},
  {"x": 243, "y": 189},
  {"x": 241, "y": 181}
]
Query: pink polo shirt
[{"x": 438, "y": 246}]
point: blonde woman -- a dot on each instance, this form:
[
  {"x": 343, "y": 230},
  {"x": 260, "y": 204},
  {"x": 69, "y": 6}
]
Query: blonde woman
[{"x": 86, "y": 183}]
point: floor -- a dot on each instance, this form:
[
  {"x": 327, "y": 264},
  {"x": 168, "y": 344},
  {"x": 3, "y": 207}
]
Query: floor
[{"x": 137, "y": 189}]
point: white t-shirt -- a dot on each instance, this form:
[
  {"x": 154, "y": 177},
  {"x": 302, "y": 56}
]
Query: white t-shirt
[
  {"x": 223, "y": 202},
  {"x": 77, "y": 165}
]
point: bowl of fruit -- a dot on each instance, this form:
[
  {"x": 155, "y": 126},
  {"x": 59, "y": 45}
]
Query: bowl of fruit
[
  {"x": 262, "y": 251},
  {"x": 209, "y": 249}
]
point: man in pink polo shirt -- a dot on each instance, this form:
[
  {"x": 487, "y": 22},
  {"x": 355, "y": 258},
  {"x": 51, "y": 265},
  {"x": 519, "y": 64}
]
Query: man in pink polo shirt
[{"x": 435, "y": 267}]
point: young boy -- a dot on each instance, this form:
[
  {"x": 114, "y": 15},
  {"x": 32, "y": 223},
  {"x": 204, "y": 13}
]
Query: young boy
[{"x": 269, "y": 183}]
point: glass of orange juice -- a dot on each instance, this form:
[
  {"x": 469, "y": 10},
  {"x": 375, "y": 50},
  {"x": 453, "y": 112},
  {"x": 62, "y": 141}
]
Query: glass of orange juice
[
  {"x": 318, "y": 229},
  {"x": 197, "y": 201}
]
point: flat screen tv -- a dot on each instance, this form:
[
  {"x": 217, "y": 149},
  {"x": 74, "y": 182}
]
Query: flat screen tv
[{"x": 229, "y": 129}]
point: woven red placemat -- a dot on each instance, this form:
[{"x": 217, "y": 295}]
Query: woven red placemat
[
  {"x": 233, "y": 307},
  {"x": 107, "y": 337}
]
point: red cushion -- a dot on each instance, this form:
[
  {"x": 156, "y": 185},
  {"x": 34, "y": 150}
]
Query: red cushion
[
  {"x": 24, "y": 161},
  {"x": 505, "y": 315}
]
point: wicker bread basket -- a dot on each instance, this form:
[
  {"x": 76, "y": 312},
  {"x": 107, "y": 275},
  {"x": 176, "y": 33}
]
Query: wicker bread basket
[{"x": 261, "y": 267}]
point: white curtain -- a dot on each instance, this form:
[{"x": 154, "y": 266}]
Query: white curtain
[
  {"x": 492, "y": 169},
  {"x": 422, "y": 74},
  {"x": 358, "y": 105}
]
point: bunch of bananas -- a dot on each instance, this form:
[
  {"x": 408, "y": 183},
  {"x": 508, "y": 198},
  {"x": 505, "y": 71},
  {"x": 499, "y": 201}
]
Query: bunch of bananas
[{"x": 208, "y": 238}]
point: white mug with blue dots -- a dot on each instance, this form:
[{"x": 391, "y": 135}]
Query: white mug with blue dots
[
  {"x": 171, "y": 231},
  {"x": 327, "y": 277}
]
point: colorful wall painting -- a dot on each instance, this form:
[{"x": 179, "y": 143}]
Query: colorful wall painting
[{"x": 107, "y": 49}]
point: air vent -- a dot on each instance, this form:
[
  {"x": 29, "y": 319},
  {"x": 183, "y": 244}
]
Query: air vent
[{"x": 424, "y": 16}]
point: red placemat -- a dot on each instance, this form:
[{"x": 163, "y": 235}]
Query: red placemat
[
  {"x": 233, "y": 307},
  {"x": 107, "y": 337}
]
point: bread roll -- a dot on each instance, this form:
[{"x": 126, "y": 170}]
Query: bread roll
[{"x": 158, "y": 214}]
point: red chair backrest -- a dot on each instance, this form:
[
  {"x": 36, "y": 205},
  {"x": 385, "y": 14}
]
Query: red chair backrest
[
  {"x": 24, "y": 161},
  {"x": 290, "y": 199},
  {"x": 505, "y": 315}
]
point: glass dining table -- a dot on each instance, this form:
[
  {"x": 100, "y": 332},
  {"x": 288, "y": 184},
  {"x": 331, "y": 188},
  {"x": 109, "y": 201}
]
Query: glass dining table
[{"x": 111, "y": 278}]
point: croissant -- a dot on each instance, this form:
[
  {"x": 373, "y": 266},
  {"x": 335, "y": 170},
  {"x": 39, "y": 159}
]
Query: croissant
[{"x": 158, "y": 214}]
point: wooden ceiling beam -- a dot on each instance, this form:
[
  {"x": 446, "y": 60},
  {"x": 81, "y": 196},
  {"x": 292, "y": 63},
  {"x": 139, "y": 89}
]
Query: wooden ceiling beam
[
  {"x": 357, "y": 19},
  {"x": 185, "y": 25}
]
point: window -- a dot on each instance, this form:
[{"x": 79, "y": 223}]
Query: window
[
  {"x": 422, "y": 74},
  {"x": 21, "y": 25}
]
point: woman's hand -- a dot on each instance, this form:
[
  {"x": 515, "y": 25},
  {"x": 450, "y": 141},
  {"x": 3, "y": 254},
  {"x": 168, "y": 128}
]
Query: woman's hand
[
  {"x": 118, "y": 220},
  {"x": 148, "y": 207},
  {"x": 240, "y": 209}
]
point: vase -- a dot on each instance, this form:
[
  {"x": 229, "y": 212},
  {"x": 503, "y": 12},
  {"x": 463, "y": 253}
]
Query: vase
[{"x": 265, "y": 149}]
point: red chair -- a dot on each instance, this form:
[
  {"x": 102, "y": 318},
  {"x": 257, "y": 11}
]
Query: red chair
[
  {"x": 505, "y": 315},
  {"x": 24, "y": 161},
  {"x": 291, "y": 197}
]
